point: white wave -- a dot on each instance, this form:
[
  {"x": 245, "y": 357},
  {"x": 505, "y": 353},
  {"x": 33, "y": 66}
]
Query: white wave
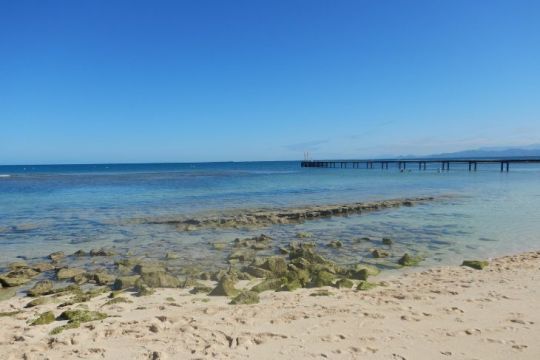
[{"x": 4, "y": 175}]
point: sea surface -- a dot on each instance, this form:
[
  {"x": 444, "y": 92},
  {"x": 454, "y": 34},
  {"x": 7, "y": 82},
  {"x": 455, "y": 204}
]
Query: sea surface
[{"x": 70, "y": 207}]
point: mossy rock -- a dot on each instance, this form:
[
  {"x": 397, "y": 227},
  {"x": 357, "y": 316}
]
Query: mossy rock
[
  {"x": 59, "y": 329},
  {"x": 101, "y": 252},
  {"x": 321, "y": 292},
  {"x": 387, "y": 241},
  {"x": 125, "y": 282},
  {"x": 200, "y": 289},
  {"x": 344, "y": 284},
  {"x": 291, "y": 286},
  {"x": 147, "y": 268},
  {"x": 336, "y": 244},
  {"x": 258, "y": 272},
  {"x": 379, "y": 254},
  {"x": 118, "y": 300},
  {"x": 12, "y": 280},
  {"x": 68, "y": 273},
  {"x": 81, "y": 316},
  {"x": 365, "y": 285},
  {"x": 301, "y": 275},
  {"x": 103, "y": 278},
  {"x": 276, "y": 265},
  {"x": 39, "y": 301},
  {"x": 322, "y": 278},
  {"x": 283, "y": 251},
  {"x": 408, "y": 260},
  {"x": 268, "y": 284},
  {"x": 18, "y": 265},
  {"x": 359, "y": 274},
  {"x": 304, "y": 235},
  {"x": 246, "y": 298},
  {"x": 171, "y": 256},
  {"x": 143, "y": 290},
  {"x": 160, "y": 280},
  {"x": 475, "y": 264},
  {"x": 40, "y": 288},
  {"x": 43, "y": 319},
  {"x": 225, "y": 287}
]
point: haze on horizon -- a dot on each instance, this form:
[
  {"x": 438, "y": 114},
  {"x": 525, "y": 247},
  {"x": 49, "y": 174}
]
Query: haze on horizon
[{"x": 178, "y": 81}]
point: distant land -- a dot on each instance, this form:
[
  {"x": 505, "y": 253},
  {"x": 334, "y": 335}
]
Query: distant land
[{"x": 488, "y": 152}]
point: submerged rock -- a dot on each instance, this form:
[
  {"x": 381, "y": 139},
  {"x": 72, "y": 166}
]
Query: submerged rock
[
  {"x": 304, "y": 235},
  {"x": 43, "y": 319},
  {"x": 68, "y": 273},
  {"x": 40, "y": 288},
  {"x": 475, "y": 264},
  {"x": 335, "y": 244},
  {"x": 42, "y": 267},
  {"x": 387, "y": 241},
  {"x": 101, "y": 252},
  {"x": 246, "y": 298},
  {"x": 407, "y": 260},
  {"x": 225, "y": 287}
]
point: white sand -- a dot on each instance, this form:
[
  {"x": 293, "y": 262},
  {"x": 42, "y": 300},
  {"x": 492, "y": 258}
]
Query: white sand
[{"x": 443, "y": 313}]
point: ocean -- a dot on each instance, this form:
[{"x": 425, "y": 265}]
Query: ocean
[{"x": 49, "y": 208}]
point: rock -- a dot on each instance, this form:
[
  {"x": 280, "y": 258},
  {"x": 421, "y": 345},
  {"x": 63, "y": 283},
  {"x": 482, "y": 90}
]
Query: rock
[
  {"x": 59, "y": 329},
  {"x": 18, "y": 265},
  {"x": 39, "y": 301},
  {"x": 81, "y": 315},
  {"x": 144, "y": 290},
  {"x": 387, "y": 241},
  {"x": 200, "y": 289},
  {"x": 57, "y": 256},
  {"x": 258, "y": 272},
  {"x": 322, "y": 278},
  {"x": 7, "y": 293},
  {"x": 145, "y": 268},
  {"x": 225, "y": 287},
  {"x": 10, "y": 280},
  {"x": 118, "y": 300},
  {"x": 101, "y": 252},
  {"x": 68, "y": 273},
  {"x": 379, "y": 253},
  {"x": 159, "y": 279},
  {"x": 42, "y": 267},
  {"x": 475, "y": 264},
  {"x": 171, "y": 256},
  {"x": 40, "y": 288},
  {"x": 371, "y": 270},
  {"x": 219, "y": 245},
  {"x": 276, "y": 265},
  {"x": 407, "y": 260},
  {"x": 283, "y": 250},
  {"x": 103, "y": 278},
  {"x": 242, "y": 255},
  {"x": 304, "y": 235},
  {"x": 125, "y": 282},
  {"x": 80, "y": 253},
  {"x": 300, "y": 275},
  {"x": 344, "y": 283},
  {"x": 365, "y": 285},
  {"x": 359, "y": 274},
  {"x": 321, "y": 292},
  {"x": 291, "y": 285},
  {"x": 43, "y": 319},
  {"x": 335, "y": 244},
  {"x": 246, "y": 298},
  {"x": 80, "y": 279},
  {"x": 268, "y": 284}
]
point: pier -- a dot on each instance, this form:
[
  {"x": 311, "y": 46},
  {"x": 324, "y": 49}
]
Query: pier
[{"x": 421, "y": 164}]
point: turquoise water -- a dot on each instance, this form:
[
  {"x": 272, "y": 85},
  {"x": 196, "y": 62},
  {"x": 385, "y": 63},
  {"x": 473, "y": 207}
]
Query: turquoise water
[{"x": 70, "y": 207}]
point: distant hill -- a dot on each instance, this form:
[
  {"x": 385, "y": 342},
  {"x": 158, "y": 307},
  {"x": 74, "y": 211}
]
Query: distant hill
[{"x": 524, "y": 151}]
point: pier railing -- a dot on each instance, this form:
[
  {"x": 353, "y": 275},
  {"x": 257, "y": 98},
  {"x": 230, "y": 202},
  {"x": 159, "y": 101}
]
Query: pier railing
[{"x": 402, "y": 164}]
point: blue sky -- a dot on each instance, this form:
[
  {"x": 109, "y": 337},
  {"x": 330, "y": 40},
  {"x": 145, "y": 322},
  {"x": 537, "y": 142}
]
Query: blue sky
[{"x": 141, "y": 81}]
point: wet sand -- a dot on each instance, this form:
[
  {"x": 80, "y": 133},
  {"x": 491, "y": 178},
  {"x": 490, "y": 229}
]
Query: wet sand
[{"x": 442, "y": 313}]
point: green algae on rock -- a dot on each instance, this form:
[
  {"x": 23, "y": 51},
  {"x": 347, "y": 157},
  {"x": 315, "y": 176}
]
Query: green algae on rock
[
  {"x": 125, "y": 282},
  {"x": 344, "y": 283},
  {"x": 321, "y": 292},
  {"x": 387, "y": 241},
  {"x": 246, "y": 298},
  {"x": 160, "y": 279},
  {"x": 118, "y": 300},
  {"x": 475, "y": 264},
  {"x": 39, "y": 301},
  {"x": 44, "y": 319},
  {"x": 268, "y": 284},
  {"x": 40, "y": 288},
  {"x": 408, "y": 260},
  {"x": 365, "y": 285},
  {"x": 68, "y": 273},
  {"x": 379, "y": 253},
  {"x": 81, "y": 315}
]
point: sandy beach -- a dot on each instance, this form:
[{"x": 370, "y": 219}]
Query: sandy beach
[{"x": 442, "y": 313}]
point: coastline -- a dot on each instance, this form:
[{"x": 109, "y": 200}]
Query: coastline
[{"x": 446, "y": 312}]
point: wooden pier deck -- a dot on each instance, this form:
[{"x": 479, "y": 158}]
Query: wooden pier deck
[{"x": 402, "y": 164}]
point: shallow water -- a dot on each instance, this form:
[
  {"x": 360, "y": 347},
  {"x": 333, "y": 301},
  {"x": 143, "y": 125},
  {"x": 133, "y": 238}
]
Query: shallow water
[{"x": 49, "y": 208}]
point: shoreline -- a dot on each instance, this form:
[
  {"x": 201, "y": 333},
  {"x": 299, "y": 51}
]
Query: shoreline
[{"x": 449, "y": 312}]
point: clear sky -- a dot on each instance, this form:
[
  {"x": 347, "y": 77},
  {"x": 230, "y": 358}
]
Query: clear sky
[{"x": 140, "y": 81}]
